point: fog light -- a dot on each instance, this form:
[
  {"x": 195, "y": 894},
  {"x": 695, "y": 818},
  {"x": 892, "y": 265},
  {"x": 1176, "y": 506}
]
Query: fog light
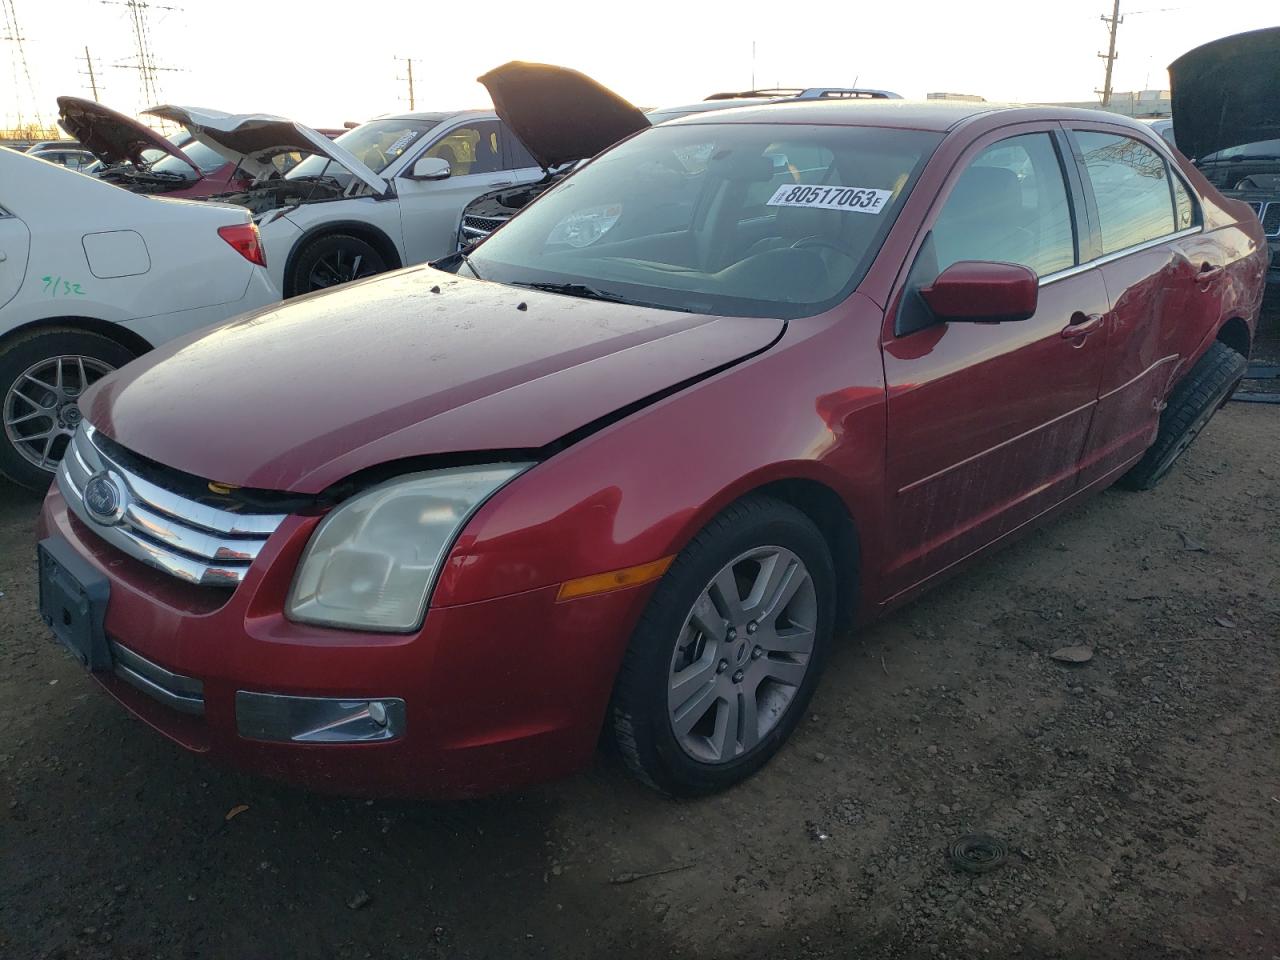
[{"x": 284, "y": 719}]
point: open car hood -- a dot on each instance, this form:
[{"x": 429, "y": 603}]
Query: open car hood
[
  {"x": 252, "y": 139},
  {"x": 559, "y": 115},
  {"x": 112, "y": 137},
  {"x": 1225, "y": 93}
]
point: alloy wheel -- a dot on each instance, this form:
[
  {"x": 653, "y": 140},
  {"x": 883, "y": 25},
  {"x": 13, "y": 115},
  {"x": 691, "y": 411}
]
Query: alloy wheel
[
  {"x": 42, "y": 407},
  {"x": 340, "y": 266},
  {"x": 742, "y": 654}
]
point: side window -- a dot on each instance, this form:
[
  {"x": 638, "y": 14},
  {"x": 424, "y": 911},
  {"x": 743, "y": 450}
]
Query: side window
[
  {"x": 474, "y": 148},
  {"x": 1131, "y": 186},
  {"x": 518, "y": 158},
  {"x": 1009, "y": 205},
  {"x": 1184, "y": 209}
]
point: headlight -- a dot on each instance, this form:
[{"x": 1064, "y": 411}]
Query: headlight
[{"x": 373, "y": 560}]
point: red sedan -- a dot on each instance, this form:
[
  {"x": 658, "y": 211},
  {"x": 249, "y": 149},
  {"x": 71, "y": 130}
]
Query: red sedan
[{"x": 636, "y": 463}]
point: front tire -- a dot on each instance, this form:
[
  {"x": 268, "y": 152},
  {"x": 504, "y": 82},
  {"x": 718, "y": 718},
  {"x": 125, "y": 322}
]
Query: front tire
[
  {"x": 332, "y": 260},
  {"x": 728, "y": 653},
  {"x": 43, "y": 374},
  {"x": 1193, "y": 402}
]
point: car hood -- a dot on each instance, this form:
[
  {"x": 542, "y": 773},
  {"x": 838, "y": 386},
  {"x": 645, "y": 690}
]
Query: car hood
[
  {"x": 112, "y": 137},
  {"x": 559, "y": 115},
  {"x": 252, "y": 139},
  {"x": 1224, "y": 93},
  {"x": 406, "y": 364}
]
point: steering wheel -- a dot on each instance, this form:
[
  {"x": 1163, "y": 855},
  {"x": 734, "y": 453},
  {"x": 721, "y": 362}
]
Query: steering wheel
[{"x": 816, "y": 241}]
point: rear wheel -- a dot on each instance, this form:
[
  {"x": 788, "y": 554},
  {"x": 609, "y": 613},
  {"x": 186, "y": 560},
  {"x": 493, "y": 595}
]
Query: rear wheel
[
  {"x": 1193, "y": 402},
  {"x": 42, "y": 377},
  {"x": 728, "y": 652},
  {"x": 329, "y": 261}
]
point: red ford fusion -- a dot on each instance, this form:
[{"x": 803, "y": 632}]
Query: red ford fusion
[{"x": 637, "y": 462}]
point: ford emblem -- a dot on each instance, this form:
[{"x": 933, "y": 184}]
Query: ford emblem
[{"x": 104, "y": 498}]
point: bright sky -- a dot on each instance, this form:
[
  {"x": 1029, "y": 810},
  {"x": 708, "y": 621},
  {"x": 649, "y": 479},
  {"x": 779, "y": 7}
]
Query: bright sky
[{"x": 323, "y": 62}]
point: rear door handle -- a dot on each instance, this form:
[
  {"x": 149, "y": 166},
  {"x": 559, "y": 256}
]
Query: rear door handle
[
  {"x": 1209, "y": 273},
  {"x": 1082, "y": 325},
  {"x": 3, "y": 256}
]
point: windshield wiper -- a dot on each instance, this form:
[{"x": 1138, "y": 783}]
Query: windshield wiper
[
  {"x": 451, "y": 261},
  {"x": 577, "y": 290}
]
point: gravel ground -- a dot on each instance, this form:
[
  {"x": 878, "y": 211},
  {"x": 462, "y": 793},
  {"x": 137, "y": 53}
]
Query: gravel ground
[{"x": 1138, "y": 793}]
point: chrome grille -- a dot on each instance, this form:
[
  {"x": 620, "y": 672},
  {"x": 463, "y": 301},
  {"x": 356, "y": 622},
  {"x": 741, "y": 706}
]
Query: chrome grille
[
  {"x": 1270, "y": 218},
  {"x": 474, "y": 229},
  {"x": 195, "y": 542}
]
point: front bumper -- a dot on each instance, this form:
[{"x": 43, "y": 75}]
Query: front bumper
[{"x": 495, "y": 694}]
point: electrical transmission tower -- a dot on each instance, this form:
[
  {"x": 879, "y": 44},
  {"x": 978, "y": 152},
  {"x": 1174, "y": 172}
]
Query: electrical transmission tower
[
  {"x": 13, "y": 35},
  {"x": 409, "y": 61},
  {"x": 144, "y": 64}
]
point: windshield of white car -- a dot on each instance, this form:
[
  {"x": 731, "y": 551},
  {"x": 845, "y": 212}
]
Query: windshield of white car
[
  {"x": 204, "y": 157},
  {"x": 377, "y": 144},
  {"x": 730, "y": 219}
]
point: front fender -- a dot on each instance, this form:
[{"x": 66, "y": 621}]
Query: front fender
[{"x": 811, "y": 407}]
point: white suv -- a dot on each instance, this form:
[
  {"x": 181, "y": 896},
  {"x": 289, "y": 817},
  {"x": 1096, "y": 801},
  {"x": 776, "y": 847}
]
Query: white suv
[{"x": 386, "y": 194}]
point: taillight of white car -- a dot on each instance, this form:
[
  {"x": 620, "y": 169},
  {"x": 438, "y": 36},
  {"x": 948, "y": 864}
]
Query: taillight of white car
[{"x": 244, "y": 238}]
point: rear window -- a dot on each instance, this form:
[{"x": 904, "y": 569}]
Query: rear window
[
  {"x": 1131, "y": 186},
  {"x": 734, "y": 219}
]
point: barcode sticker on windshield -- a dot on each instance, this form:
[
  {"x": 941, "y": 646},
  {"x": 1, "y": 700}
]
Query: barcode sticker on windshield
[{"x": 852, "y": 199}]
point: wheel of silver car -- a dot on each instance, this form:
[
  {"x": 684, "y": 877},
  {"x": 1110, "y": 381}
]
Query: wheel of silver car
[
  {"x": 333, "y": 260},
  {"x": 728, "y": 651},
  {"x": 742, "y": 654},
  {"x": 43, "y": 376}
]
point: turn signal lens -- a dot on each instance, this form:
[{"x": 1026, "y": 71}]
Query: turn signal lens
[
  {"x": 244, "y": 238},
  {"x": 614, "y": 580}
]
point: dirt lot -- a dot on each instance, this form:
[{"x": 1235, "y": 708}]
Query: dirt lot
[{"x": 1139, "y": 793}]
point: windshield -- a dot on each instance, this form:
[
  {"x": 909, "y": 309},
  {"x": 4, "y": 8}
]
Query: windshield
[
  {"x": 1262, "y": 150},
  {"x": 732, "y": 219},
  {"x": 376, "y": 144},
  {"x": 204, "y": 157}
]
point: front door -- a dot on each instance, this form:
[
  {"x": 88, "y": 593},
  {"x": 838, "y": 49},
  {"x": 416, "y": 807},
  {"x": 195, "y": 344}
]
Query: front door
[
  {"x": 430, "y": 210},
  {"x": 987, "y": 421}
]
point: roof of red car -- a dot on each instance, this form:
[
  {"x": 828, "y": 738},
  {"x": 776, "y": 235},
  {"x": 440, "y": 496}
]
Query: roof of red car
[{"x": 939, "y": 115}]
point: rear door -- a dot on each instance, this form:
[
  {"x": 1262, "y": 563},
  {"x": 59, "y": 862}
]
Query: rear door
[
  {"x": 430, "y": 210},
  {"x": 1164, "y": 277},
  {"x": 987, "y": 421},
  {"x": 15, "y": 243}
]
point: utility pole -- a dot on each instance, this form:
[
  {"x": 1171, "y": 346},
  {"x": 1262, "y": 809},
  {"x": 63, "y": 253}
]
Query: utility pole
[
  {"x": 1113, "y": 25},
  {"x": 93, "y": 81},
  {"x": 412, "y": 102}
]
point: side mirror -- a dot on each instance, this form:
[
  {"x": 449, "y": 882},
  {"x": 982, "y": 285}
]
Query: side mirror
[
  {"x": 431, "y": 168},
  {"x": 979, "y": 291}
]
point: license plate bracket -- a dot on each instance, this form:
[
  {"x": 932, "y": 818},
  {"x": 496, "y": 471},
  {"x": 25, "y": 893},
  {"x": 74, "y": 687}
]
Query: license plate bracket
[{"x": 73, "y": 602}]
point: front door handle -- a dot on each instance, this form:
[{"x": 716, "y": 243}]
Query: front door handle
[
  {"x": 3, "y": 256},
  {"x": 1082, "y": 325},
  {"x": 503, "y": 183},
  {"x": 1209, "y": 273}
]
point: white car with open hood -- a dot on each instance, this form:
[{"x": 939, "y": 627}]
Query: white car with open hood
[
  {"x": 386, "y": 194},
  {"x": 90, "y": 277}
]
